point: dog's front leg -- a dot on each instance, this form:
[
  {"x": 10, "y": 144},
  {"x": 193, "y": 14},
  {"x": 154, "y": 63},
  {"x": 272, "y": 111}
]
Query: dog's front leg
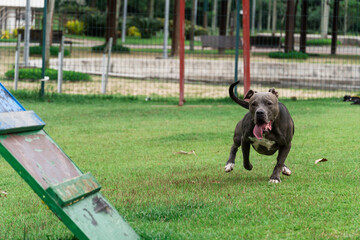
[
  {"x": 283, "y": 152},
  {"x": 234, "y": 148},
  {"x": 245, "y": 147}
]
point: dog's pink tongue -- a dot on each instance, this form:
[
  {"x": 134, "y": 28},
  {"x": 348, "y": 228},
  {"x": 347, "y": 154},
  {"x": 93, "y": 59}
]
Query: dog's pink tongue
[{"x": 259, "y": 129}]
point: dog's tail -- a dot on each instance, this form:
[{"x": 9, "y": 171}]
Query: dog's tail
[{"x": 239, "y": 101}]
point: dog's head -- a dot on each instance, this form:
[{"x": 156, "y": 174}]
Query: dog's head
[{"x": 264, "y": 108}]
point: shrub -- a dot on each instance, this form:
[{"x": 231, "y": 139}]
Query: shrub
[
  {"x": 115, "y": 48},
  {"x": 147, "y": 26},
  {"x": 54, "y": 51},
  {"x": 35, "y": 74},
  {"x": 291, "y": 55},
  {"x": 133, "y": 31},
  {"x": 5, "y": 34},
  {"x": 198, "y": 30},
  {"x": 75, "y": 27}
]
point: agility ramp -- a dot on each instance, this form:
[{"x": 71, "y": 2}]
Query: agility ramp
[{"x": 73, "y": 196}]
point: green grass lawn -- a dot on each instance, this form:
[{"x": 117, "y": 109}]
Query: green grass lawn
[{"x": 129, "y": 147}]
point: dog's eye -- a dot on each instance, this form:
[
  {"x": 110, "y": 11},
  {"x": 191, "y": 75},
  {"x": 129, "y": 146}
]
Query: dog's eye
[
  {"x": 254, "y": 104},
  {"x": 269, "y": 103}
]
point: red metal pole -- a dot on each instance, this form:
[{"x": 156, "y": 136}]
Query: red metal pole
[
  {"x": 181, "y": 51},
  {"x": 246, "y": 44}
]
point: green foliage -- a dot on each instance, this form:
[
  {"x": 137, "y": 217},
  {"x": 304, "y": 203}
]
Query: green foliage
[
  {"x": 198, "y": 30},
  {"x": 94, "y": 23},
  {"x": 115, "y": 48},
  {"x": 320, "y": 42},
  {"x": 289, "y": 55},
  {"x": 54, "y": 51},
  {"x": 75, "y": 27},
  {"x": 5, "y": 34},
  {"x": 147, "y": 26},
  {"x": 133, "y": 32},
  {"x": 35, "y": 74}
]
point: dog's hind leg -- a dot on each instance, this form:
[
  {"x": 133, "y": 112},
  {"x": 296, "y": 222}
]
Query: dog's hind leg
[
  {"x": 283, "y": 152},
  {"x": 234, "y": 148},
  {"x": 245, "y": 147}
]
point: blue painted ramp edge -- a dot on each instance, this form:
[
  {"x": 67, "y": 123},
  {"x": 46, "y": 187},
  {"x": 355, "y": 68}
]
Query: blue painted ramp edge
[{"x": 8, "y": 101}]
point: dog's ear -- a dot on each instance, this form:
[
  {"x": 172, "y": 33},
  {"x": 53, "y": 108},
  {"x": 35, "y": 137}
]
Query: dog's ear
[
  {"x": 249, "y": 94},
  {"x": 273, "y": 91}
]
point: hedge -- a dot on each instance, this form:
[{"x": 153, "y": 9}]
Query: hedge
[
  {"x": 320, "y": 42},
  {"x": 115, "y": 48},
  {"x": 54, "y": 51},
  {"x": 289, "y": 55},
  {"x": 35, "y": 74}
]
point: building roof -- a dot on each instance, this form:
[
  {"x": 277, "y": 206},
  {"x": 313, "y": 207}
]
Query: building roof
[{"x": 22, "y": 3}]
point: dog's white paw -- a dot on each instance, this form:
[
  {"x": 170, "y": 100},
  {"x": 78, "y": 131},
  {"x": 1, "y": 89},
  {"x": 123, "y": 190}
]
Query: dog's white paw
[
  {"x": 286, "y": 171},
  {"x": 274, "y": 181},
  {"x": 229, "y": 167}
]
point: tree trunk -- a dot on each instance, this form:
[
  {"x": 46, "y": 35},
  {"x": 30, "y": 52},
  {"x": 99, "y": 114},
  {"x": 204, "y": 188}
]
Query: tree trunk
[
  {"x": 205, "y": 13},
  {"x": 93, "y": 3},
  {"x": 49, "y": 23},
  {"x": 269, "y": 16},
  {"x": 228, "y": 13},
  {"x": 151, "y": 9},
  {"x": 345, "y": 16},
  {"x": 290, "y": 23},
  {"x": 111, "y": 23},
  {"x": 303, "y": 25},
  {"x": 222, "y": 23},
  {"x": 325, "y": 19},
  {"x": 175, "y": 31},
  {"x": 253, "y": 13},
  {"x": 213, "y": 17},
  {"x": 117, "y": 15},
  {"x": 274, "y": 18},
  {"x": 335, "y": 27},
  {"x": 260, "y": 16},
  {"x": 193, "y": 22}
]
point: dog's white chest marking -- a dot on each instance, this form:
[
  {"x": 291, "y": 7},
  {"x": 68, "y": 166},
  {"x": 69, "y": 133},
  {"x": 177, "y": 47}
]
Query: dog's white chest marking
[{"x": 262, "y": 142}]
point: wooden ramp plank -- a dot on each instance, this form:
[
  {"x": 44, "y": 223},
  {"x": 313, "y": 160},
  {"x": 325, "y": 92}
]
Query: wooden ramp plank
[
  {"x": 99, "y": 220},
  {"x": 74, "y": 189},
  {"x": 41, "y": 157},
  {"x": 22, "y": 121}
]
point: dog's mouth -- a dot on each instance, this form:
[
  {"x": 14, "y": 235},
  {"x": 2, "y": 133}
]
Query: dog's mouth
[{"x": 260, "y": 128}]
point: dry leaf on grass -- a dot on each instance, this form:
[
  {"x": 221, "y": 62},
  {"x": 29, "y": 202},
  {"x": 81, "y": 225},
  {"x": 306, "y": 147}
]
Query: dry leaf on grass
[
  {"x": 321, "y": 160},
  {"x": 183, "y": 152},
  {"x": 3, "y": 193}
]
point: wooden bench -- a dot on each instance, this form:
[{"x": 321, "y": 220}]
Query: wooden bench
[
  {"x": 265, "y": 41},
  {"x": 219, "y": 42},
  {"x": 36, "y": 36},
  {"x": 228, "y": 42}
]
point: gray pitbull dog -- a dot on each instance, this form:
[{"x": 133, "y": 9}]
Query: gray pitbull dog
[{"x": 268, "y": 127}]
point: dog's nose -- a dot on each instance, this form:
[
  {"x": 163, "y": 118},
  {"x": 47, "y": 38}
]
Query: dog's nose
[{"x": 260, "y": 113}]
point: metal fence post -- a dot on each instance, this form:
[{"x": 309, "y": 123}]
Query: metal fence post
[
  {"x": 246, "y": 45},
  {"x": 27, "y": 33},
  {"x": 17, "y": 53},
  {"x": 42, "y": 90},
  {"x": 181, "y": 51},
  {"x": 166, "y": 28},
  {"x": 123, "y": 31},
  {"x": 60, "y": 66},
  {"x": 237, "y": 43},
  {"x": 106, "y": 66}
]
